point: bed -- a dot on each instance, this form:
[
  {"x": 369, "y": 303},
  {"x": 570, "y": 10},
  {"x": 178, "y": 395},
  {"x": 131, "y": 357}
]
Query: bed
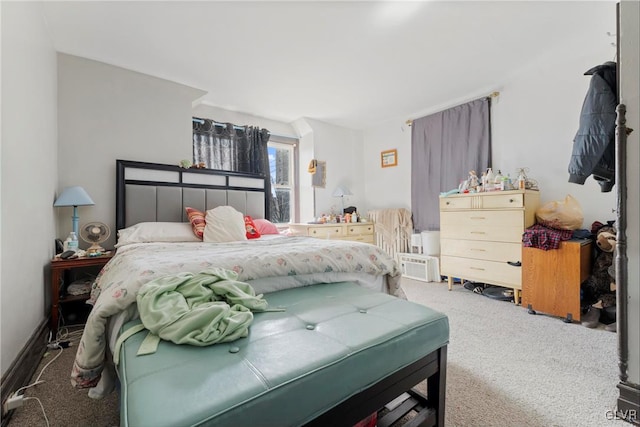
[{"x": 338, "y": 345}]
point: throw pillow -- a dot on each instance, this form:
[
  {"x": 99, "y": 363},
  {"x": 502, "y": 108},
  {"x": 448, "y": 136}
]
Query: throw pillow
[
  {"x": 252, "y": 230},
  {"x": 224, "y": 224},
  {"x": 196, "y": 218},
  {"x": 265, "y": 226}
]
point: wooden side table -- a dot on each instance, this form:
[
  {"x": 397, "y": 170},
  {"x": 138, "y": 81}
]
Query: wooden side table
[
  {"x": 58, "y": 268},
  {"x": 551, "y": 279}
]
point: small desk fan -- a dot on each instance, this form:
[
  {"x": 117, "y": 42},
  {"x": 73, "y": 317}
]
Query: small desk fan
[{"x": 95, "y": 233}]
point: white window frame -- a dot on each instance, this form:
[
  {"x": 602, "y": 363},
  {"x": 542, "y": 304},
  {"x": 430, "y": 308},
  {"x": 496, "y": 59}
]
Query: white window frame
[{"x": 292, "y": 146}]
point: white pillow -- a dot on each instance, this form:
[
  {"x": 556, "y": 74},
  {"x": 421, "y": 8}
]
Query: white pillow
[
  {"x": 224, "y": 224},
  {"x": 145, "y": 232}
]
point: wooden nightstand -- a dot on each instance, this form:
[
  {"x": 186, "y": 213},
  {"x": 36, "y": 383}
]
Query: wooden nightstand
[{"x": 61, "y": 273}]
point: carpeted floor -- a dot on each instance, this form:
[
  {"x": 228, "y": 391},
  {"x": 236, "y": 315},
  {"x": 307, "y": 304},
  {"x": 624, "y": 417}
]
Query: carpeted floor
[{"x": 505, "y": 368}]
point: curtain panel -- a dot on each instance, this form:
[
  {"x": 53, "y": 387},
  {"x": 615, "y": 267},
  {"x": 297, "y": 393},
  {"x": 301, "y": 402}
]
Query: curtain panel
[
  {"x": 445, "y": 146},
  {"x": 230, "y": 147}
]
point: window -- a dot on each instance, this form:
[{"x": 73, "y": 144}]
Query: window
[{"x": 282, "y": 164}]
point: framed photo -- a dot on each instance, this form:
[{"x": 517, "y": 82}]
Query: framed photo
[{"x": 389, "y": 158}]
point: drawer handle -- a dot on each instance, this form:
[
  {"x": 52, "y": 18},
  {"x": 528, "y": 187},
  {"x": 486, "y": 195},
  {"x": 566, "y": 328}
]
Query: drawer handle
[
  {"x": 447, "y": 203},
  {"x": 479, "y": 250},
  {"x": 511, "y": 200},
  {"x": 515, "y": 263},
  {"x": 478, "y": 232},
  {"x": 477, "y": 268},
  {"x": 478, "y": 217}
]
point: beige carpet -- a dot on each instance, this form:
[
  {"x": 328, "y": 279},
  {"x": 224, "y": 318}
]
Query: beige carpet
[
  {"x": 509, "y": 368},
  {"x": 505, "y": 368},
  {"x": 63, "y": 404}
]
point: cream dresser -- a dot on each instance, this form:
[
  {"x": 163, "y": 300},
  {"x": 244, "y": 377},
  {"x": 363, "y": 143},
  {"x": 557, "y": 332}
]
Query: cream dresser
[
  {"x": 481, "y": 236},
  {"x": 356, "y": 231}
]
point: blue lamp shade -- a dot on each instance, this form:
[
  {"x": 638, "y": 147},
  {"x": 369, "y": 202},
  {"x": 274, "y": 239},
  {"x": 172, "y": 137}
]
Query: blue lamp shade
[{"x": 74, "y": 196}]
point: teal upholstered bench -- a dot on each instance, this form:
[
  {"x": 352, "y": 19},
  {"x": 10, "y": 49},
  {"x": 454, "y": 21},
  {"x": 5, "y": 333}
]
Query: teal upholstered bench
[{"x": 336, "y": 354}]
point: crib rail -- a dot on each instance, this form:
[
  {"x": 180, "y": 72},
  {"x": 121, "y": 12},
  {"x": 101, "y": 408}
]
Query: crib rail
[{"x": 393, "y": 228}]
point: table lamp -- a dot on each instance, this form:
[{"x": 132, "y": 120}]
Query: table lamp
[
  {"x": 74, "y": 196},
  {"x": 341, "y": 192}
]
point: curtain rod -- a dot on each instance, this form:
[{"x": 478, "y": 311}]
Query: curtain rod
[
  {"x": 201, "y": 121},
  {"x": 491, "y": 95}
]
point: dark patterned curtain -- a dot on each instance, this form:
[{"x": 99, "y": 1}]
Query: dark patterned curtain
[{"x": 230, "y": 147}]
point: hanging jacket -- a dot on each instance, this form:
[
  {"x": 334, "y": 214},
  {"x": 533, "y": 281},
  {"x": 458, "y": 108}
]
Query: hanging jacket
[{"x": 594, "y": 143}]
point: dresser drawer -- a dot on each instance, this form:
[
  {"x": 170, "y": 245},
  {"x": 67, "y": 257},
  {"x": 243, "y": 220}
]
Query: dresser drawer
[
  {"x": 358, "y": 229},
  {"x": 482, "y": 218},
  {"x": 503, "y": 201},
  {"x": 477, "y": 249},
  {"x": 364, "y": 238},
  {"x": 493, "y": 233},
  {"x": 454, "y": 203},
  {"x": 492, "y": 200},
  {"x": 325, "y": 232},
  {"x": 499, "y": 273}
]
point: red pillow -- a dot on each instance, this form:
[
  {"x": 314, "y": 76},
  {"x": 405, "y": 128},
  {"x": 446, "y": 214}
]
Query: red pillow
[
  {"x": 252, "y": 230},
  {"x": 196, "y": 218},
  {"x": 266, "y": 227}
]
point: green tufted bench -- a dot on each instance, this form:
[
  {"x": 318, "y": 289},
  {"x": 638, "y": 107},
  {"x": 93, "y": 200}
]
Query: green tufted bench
[{"x": 337, "y": 353}]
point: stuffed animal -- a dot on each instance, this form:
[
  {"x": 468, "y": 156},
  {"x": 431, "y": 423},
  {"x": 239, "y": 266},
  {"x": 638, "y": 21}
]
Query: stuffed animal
[{"x": 598, "y": 290}]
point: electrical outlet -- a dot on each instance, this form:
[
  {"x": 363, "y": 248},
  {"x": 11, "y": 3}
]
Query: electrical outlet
[{"x": 13, "y": 402}]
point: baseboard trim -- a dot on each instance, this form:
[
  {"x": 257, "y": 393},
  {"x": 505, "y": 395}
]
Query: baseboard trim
[
  {"x": 629, "y": 403},
  {"x": 24, "y": 366}
]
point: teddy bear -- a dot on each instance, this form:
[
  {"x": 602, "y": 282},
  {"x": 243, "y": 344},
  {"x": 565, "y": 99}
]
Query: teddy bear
[{"x": 599, "y": 290}]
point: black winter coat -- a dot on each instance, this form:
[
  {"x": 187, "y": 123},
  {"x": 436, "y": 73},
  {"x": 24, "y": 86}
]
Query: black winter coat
[{"x": 594, "y": 143}]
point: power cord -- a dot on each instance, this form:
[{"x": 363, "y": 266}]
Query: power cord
[
  {"x": 16, "y": 399},
  {"x": 41, "y": 407}
]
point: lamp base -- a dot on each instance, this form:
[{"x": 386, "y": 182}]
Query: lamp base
[{"x": 95, "y": 249}]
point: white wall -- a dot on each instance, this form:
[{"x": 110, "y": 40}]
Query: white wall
[
  {"x": 388, "y": 187},
  {"x": 28, "y": 173},
  {"x": 534, "y": 121},
  {"x": 630, "y": 96},
  {"x": 108, "y": 113},
  {"x": 237, "y": 118},
  {"x": 342, "y": 150}
]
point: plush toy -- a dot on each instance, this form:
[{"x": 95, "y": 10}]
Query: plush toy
[{"x": 598, "y": 290}]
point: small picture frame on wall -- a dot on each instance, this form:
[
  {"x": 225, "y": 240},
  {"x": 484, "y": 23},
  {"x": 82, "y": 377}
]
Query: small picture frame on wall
[{"x": 389, "y": 158}]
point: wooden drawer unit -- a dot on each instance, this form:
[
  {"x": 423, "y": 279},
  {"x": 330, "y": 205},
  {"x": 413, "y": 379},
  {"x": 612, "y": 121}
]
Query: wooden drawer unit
[
  {"x": 358, "y": 232},
  {"x": 551, "y": 279},
  {"x": 481, "y": 236}
]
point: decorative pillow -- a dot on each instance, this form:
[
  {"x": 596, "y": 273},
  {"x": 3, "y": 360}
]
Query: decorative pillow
[
  {"x": 196, "y": 218},
  {"x": 265, "y": 226},
  {"x": 145, "y": 232},
  {"x": 224, "y": 224},
  {"x": 252, "y": 230}
]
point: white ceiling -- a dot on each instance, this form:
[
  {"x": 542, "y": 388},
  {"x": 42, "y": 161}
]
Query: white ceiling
[{"x": 348, "y": 63}]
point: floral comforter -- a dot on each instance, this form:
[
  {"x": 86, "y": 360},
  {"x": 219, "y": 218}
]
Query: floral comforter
[{"x": 116, "y": 287}]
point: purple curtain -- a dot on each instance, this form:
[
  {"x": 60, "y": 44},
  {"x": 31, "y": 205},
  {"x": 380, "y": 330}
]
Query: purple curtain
[{"x": 445, "y": 146}]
